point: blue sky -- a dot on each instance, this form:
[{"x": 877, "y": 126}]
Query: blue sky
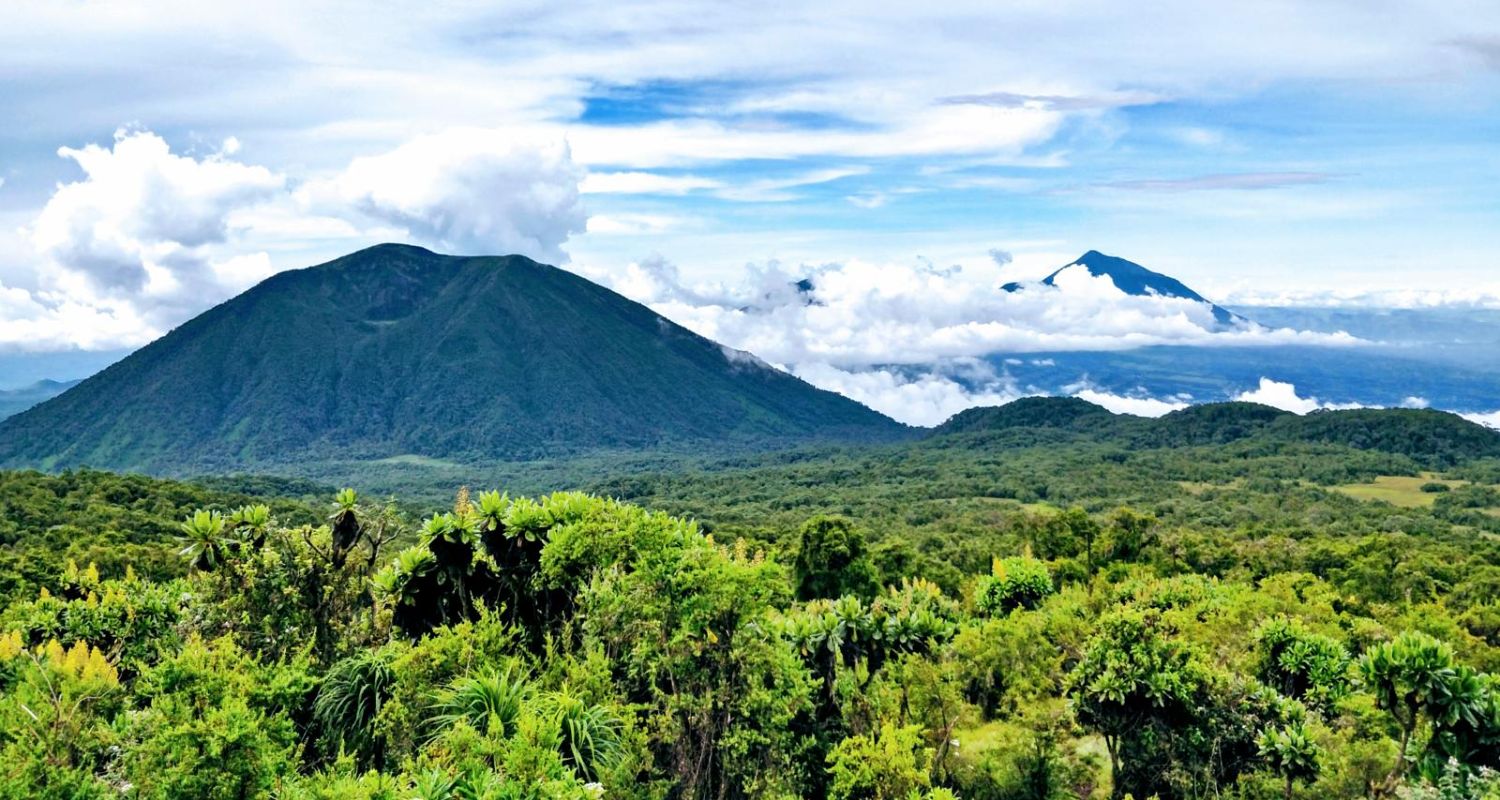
[{"x": 160, "y": 157}]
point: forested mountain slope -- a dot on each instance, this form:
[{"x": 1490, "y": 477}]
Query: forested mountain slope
[{"x": 395, "y": 351}]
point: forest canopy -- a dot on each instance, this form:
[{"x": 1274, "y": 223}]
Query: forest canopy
[{"x": 951, "y": 618}]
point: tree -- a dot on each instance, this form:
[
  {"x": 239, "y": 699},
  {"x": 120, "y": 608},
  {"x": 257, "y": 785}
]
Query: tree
[
  {"x": 1291, "y": 753},
  {"x": 1300, "y": 664},
  {"x": 832, "y": 560},
  {"x": 1407, "y": 677},
  {"x": 1130, "y": 532},
  {"x": 890, "y": 764},
  {"x": 1135, "y": 679}
]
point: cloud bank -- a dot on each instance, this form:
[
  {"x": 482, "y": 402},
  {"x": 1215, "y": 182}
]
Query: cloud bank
[{"x": 860, "y": 314}]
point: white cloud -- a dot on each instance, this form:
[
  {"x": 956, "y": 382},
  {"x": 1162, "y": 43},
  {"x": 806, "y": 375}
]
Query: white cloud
[
  {"x": 771, "y": 190},
  {"x": 1490, "y": 419},
  {"x": 1000, "y": 134},
  {"x": 929, "y": 396},
  {"x": 1140, "y": 406},
  {"x": 1475, "y": 295},
  {"x": 149, "y": 237},
  {"x": 631, "y": 224},
  {"x": 926, "y": 399},
  {"x": 861, "y": 314},
  {"x": 471, "y": 191},
  {"x": 1282, "y": 395},
  {"x": 40, "y": 322},
  {"x": 142, "y": 218}
]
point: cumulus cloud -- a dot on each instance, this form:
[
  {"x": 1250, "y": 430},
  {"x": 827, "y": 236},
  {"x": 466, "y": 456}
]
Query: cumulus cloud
[
  {"x": 46, "y": 321},
  {"x": 930, "y": 395},
  {"x": 1282, "y": 395},
  {"x": 148, "y": 236},
  {"x": 909, "y": 339},
  {"x": 467, "y": 190},
  {"x": 142, "y": 218}
]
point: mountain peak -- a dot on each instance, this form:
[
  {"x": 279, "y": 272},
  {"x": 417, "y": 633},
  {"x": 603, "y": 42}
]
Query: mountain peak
[
  {"x": 395, "y": 351},
  {"x": 1137, "y": 281}
]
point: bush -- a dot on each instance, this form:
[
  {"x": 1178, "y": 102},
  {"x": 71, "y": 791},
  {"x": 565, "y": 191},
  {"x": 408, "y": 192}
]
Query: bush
[{"x": 1015, "y": 583}]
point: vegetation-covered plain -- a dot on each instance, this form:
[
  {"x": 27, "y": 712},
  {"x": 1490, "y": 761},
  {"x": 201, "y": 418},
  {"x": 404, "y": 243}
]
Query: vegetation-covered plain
[{"x": 1011, "y": 609}]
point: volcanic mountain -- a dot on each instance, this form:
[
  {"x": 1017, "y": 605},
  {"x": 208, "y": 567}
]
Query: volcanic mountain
[
  {"x": 396, "y": 351},
  {"x": 1134, "y": 279}
]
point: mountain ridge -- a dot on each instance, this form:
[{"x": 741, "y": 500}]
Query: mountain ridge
[{"x": 395, "y": 350}]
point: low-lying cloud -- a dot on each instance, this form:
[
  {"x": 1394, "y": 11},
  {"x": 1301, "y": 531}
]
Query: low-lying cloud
[
  {"x": 858, "y": 314},
  {"x": 1279, "y": 394}
]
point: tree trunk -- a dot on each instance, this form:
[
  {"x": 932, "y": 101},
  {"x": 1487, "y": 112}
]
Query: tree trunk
[{"x": 1113, "y": 746}]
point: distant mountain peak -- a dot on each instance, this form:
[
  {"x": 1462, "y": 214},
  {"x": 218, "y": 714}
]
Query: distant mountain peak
[{"x": 1136, "y": 280}]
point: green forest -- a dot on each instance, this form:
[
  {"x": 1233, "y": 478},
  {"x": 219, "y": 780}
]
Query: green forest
[{"x": 1033, "y": 604}]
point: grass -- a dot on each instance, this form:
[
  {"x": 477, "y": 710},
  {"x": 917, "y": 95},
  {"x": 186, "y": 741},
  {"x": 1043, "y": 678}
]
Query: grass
[{"x": 1398, "y": 490}]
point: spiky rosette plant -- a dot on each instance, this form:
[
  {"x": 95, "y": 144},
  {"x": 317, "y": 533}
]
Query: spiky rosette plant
[
  {"x": 490, "y": 702},
  {"x": 203, "y": 540},
  {"x": 344, "y": 522},
  {"x": 350, "y": 700},
  {"x": 589, "y": 735}
]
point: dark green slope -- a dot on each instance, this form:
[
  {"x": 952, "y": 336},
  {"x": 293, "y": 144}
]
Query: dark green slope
[
  {"x": 395, "y": 351},
  {"x": 1432, "y": 438}
]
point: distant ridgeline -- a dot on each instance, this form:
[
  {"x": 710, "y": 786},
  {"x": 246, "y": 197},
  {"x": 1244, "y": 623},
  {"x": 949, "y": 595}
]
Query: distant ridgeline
[
  {"x": 395, "y": 351},
  {"x": 1433, "y": 438}
]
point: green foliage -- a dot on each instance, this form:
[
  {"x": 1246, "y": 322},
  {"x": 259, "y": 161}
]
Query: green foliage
[
  {"x": 55, "y": 734},
  {"x": 890, "y": 764},
  {"x": 832, "y": 560},
  {"x": 1301, "y": 664},
  {"x": 1013, "y": 583},
  {"x": 349, "y": 702},
  {"x": 1198, "y": 621},
  {"x": 111, "y": 521},
  {"x": 588, "y": 735},
  {"x": 130, "y": 619},
  {"x": 490, "y": 702},
  {"x": 1291, "y": 753},
  {"x": 1168, "y": 720},
  {"x": 211, "y": 727},
  {"x": 203, "y": 539}
]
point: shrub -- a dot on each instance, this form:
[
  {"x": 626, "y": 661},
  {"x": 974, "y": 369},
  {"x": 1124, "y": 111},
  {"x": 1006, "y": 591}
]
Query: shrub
[{"x": 1014, "y": 583}]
